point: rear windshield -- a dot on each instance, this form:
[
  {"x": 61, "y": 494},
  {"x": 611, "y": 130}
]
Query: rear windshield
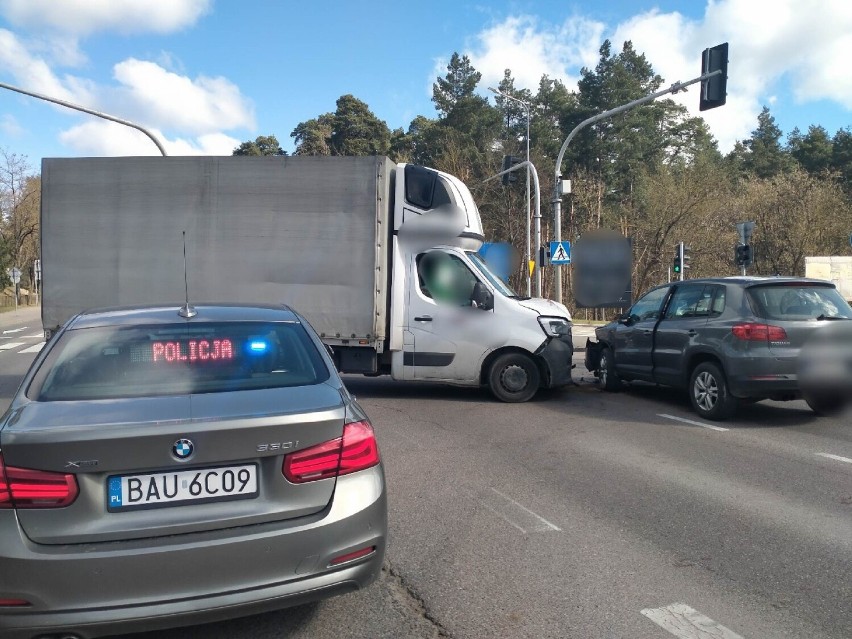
[
  {"x": 145, "y": 361},
  {"x": 799, "y": 302}
]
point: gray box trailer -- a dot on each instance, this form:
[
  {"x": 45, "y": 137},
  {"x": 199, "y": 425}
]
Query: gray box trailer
[{"x": 310, "y": 232}]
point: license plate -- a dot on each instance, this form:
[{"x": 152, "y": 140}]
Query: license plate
[{"x": 156, "y": 490}]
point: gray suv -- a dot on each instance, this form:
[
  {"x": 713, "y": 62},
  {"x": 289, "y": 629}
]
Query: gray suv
[{"x": 724, "y": 340}]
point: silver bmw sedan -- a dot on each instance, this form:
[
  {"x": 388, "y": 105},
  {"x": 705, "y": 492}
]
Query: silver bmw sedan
[{"x": 162, "y": 468}]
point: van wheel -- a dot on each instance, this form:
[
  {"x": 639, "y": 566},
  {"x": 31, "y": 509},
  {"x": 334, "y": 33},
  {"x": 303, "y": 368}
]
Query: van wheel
[
  {"x": 606, "y": 372},
  {"x": 708, "y": 392},
  {"x": 514, "y": 378}
]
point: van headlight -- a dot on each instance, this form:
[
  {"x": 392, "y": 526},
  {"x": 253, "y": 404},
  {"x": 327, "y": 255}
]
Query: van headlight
[{"x": 555, "y": 326}]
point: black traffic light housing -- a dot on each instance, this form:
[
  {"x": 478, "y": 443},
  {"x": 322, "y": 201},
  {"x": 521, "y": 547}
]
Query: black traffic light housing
[
  {"x": 508, "y": 162},
  {"x": 714, "y": 91},
  {"x": 676, "y": 264},
  {"x": 743, "y": 255}
]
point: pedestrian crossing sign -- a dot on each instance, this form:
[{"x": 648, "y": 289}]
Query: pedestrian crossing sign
[{"x": 560, "y": 252}]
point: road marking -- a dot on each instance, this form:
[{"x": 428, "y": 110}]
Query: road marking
[
  {"x": 33, "y": 349},
  {"x": 835, "y": 457},
  {"x": 687, "y": 623},
  {"x": 689, "y": 421},
  {"x": 34, "y": 336},
  {"x": 15, "y": 330},
  {"x": 8, "y": 345},
  {"x": 518, "y": 515}
]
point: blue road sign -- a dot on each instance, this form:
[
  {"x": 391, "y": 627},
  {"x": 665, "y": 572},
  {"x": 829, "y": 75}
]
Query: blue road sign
[{"x": 560, "y": 252}]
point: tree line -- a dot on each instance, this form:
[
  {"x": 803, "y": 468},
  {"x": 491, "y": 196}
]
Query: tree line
[{"x": 655, "y": 173}]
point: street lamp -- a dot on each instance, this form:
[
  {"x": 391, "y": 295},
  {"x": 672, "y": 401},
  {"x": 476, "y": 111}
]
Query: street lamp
[{"x": 528, "y": 107}]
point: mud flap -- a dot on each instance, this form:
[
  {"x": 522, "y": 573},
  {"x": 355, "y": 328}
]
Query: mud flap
[{"x": 593, "y": 355}]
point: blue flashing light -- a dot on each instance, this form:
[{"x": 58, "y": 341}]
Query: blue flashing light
[{"x": 258, "y": 346}]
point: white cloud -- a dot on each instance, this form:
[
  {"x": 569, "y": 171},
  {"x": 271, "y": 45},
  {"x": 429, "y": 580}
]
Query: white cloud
[
  {"x": 805, "y": 43},
  {"x": 176, "y": 101},
  {"x": 84, "y": 17},
  {"x": 530, "y": 50},
  {"x": 30, "y": 71},
  {"x": 102, "y": 138}
]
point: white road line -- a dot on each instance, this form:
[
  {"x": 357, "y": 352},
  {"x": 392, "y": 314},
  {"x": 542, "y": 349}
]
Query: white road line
[
  {"x": 34, "y": 336},
  {"x": 547, "y": 525},
  {"x": 504, "y": 518},
  {"x": 15, "y": 330},
  {"x": 33, "y": 349},
  {"x": 8, "y": 345},
  {"x": 687, "y": 623},
  {"x": 689, "y": 421},
  {"x": 835, "y": 457}
]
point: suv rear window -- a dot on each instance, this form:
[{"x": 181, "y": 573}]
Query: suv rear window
[
  {"x": 146, "y": 361},
  {"x": 798, "y": 302}
]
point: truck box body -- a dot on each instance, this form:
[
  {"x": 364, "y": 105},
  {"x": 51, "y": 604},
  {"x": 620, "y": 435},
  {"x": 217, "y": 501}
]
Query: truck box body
[{"x": 305, "y": 231}]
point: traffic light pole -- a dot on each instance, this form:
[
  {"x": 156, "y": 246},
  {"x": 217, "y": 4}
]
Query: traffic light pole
[
  {"x": 531, "y": 171},
  {"x": 682, "y": 261},
  {"x": 557, "y": 200},
  {"x": 77, "y": 107}
]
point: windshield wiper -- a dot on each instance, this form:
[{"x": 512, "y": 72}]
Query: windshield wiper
[{"x": 831, "y": 317}]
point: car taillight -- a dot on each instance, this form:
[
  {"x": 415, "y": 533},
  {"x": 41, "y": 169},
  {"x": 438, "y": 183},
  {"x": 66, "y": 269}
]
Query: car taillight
[
  {"x": 752, "y": 332},
  {"x": 25, "y": 488},
  {"x": 356, "y": 450}
]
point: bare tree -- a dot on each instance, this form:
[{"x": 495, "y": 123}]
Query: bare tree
[{"x": 19, "y": 214}]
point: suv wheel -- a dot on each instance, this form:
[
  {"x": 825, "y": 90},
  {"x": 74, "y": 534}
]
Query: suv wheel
[
  {"x": 513, "y": 378},
  {"x": 606, "y": 372},
  {"x": 708, "y": 392}
]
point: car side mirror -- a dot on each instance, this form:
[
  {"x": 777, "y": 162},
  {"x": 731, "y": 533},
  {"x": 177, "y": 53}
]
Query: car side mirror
[
  {"x": 482, "y": 297},
  {"x": 624, "y": 319}
]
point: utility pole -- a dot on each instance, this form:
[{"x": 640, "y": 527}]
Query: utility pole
[{"x": 528, "y": 107}]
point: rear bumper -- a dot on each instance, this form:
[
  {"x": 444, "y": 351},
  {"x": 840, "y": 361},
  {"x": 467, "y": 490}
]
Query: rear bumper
[
  {"x": 101, "y": 589},
  {"x": 763, "y": 377},
  {"x": 557, "y": 354}
]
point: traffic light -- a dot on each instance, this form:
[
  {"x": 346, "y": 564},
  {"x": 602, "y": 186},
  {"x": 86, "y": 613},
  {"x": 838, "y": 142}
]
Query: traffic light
[
  {"x": 508, "y": 162},
  {"x": 714, "y": 91},
  {"x": 684, "y": 256},
  {"x": 676, "y": 264},
  {"x": 743, "y": 255}
]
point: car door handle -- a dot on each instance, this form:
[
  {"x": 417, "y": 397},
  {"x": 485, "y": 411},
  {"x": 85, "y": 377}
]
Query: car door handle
[{"x": 423, "y": 318}]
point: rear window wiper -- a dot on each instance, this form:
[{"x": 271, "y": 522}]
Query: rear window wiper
[{"x": 831, "y": 317}]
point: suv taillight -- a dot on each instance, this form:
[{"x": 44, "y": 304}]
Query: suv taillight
[
  {"x": 25, "y": 488},
  {"x": 356, "y": 450},
  {"x": 753, "y": 332}
]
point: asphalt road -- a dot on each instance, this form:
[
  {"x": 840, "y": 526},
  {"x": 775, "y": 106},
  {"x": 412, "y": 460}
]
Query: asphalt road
[{"x": 584, "y": 514}]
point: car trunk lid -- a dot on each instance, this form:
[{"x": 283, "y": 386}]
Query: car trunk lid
[{"x": 100, "y": 441}]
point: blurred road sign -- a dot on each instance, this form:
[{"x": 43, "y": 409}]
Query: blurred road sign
[
  {"x": 602, "y": 270},
  {"x": 15, "y": 275},
  {"x": 37, "y": 270}
]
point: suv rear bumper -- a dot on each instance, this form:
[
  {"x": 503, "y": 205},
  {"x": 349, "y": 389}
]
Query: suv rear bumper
[{"x": 92, "y": 590}]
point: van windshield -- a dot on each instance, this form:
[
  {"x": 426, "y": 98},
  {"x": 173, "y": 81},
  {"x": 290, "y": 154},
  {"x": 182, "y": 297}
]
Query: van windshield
[
  {"x": 496, "y": 282},
  {"x": 145, "y": 361}
]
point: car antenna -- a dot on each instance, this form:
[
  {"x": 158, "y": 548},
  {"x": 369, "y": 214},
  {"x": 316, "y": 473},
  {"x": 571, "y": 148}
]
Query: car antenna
[{"x": 186, "y": 310}]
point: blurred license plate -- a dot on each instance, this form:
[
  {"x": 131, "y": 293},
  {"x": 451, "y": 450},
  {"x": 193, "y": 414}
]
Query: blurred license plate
[{"x": 154, "y": 490}]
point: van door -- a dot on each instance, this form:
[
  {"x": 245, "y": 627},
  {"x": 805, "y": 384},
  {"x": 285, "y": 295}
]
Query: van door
[{"x": 442, "y": 319}]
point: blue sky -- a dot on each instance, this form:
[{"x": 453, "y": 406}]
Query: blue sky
[{"x": 207, "y": 74}]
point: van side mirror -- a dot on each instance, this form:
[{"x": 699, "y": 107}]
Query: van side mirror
[{"x": 482, "y": 297}]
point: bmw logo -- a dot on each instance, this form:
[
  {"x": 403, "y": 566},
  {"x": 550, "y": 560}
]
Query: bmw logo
[{"x": 183, "y": 449}]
